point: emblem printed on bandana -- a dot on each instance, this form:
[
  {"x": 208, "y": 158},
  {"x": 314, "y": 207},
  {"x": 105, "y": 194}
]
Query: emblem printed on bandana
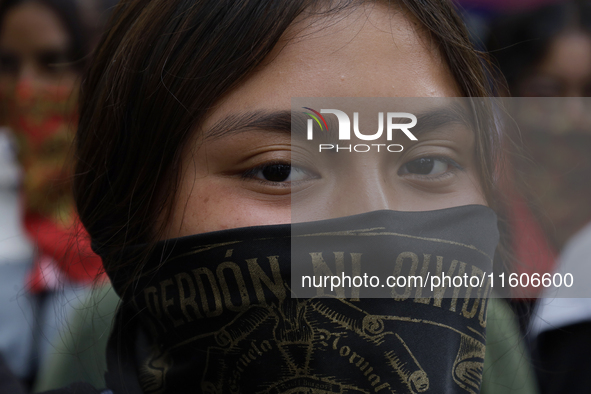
[{"x": 220, "y": 315}]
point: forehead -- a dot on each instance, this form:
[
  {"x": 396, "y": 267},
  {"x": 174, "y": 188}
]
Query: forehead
[
  {"x": 569, "y": 56},
  {"x": 369, "y": 51},
  {"x": 32, "y": 25}
]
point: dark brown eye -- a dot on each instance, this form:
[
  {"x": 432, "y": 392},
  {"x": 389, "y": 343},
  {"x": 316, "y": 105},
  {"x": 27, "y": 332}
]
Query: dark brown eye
[
  {"x": 279, "y": 173},
  {"x": 427, "y": 166},
  {"x": 53, "y": 61},
  {"x": 421, "y": 166},
  {"x": 9, "y": 64},
  {"x": 276, "y": 172}
]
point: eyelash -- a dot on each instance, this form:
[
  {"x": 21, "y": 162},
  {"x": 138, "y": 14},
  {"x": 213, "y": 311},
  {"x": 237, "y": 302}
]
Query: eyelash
[
  {"x": 251, "y": 173},
  {"x": 439, "y": 177}
]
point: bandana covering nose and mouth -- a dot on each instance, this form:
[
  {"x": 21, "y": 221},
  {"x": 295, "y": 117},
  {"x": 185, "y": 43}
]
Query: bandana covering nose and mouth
[{"x": 216, "y": 313}]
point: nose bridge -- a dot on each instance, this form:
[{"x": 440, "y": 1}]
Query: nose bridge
[
  {"x": 575, "y": 106},
  {"x": 26, "y": 79},
  {"x": 28, "y": 71},
  {"x": 575, "y": 111},
  {"x": 361, "y": 189}
]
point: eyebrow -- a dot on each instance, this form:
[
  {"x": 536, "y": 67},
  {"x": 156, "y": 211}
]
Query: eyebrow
[
  {"x": 285, "y": 121},
  {"x": 443, "y": 116},
  {"x": 260, "y": 120}
]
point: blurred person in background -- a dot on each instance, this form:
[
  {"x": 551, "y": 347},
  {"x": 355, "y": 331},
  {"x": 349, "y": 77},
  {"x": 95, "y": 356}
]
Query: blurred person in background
[
  {"x": 44, "y": 45},
  {"x": 547, "y": 53},
  {"x": 16, "y": 254}
]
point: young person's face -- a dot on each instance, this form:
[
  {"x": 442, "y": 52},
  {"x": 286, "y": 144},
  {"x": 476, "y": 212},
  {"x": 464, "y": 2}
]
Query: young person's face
[
  {"x": 244, "y": 179},
  {"x": 565, "y": 71},
  {"x": 34, "y": 50}
]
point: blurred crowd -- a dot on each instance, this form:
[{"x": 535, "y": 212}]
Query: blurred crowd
[
  {"x": 56, "y": 305},
  {"x": 46, "y": 264}
]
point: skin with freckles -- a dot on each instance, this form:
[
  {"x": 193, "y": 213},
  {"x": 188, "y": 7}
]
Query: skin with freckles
[{"x": 250, "y": 178}]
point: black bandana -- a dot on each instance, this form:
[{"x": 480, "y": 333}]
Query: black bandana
[{"x": 218, "y": 315}]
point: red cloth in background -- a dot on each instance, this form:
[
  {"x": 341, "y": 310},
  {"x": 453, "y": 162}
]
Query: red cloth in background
[
  {"x": 531, "y": 248},
  {"x": 63, "y": 255}
]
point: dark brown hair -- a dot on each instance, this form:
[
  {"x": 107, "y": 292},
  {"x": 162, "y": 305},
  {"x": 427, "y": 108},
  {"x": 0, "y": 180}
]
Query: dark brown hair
[{"x": 159, "y": 69}]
